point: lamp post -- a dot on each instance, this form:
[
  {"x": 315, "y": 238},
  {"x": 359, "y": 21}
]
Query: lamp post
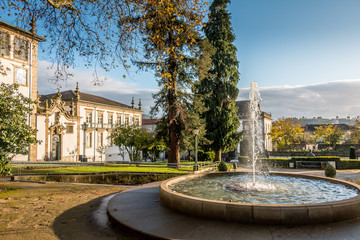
[{"x": 196, "y": 167}]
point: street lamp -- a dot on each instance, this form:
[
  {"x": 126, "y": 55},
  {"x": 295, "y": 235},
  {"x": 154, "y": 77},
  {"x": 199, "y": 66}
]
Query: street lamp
[{"x": 196, "y": 132}]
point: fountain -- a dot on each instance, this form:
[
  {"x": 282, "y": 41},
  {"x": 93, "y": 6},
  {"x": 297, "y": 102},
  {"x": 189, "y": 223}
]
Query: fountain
[
  {"x": 275, "y": 198},
  {"x": 255, "y": 141}
]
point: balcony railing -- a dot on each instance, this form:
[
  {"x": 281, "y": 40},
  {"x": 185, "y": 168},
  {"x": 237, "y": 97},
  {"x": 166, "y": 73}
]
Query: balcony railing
[{"x": 100, "y": 125}]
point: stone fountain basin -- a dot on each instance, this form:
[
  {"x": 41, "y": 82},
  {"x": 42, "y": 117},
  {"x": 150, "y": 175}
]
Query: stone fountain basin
[{"x": 280, "y": 214}]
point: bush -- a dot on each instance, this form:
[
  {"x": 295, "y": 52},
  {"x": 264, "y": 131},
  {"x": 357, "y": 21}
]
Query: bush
[
  {"x": 352, "y": 153},
  {"x": 330, "y": 171},
  {"x": 222, "y": 167},
  {"x": 206, "y": 156}
]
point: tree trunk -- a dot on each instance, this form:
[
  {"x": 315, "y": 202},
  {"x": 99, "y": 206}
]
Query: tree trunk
[
  {"x": 174, "y": 135},
  {"x": 217, "y": 155}
]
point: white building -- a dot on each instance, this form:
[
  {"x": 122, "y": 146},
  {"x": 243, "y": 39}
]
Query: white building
[
  {"x": 74, "y": 125},
  {"x": 71, "y": 125},
  {"x": 18, "y": 64}
]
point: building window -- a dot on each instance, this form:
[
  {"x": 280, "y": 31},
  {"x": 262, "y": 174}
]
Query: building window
[
  {"x": 4, "y": 44},
  {"x": 69, "y": 129},
  {"x": 118, "y": 120},
  {"x": 110, "y": 120},
  {"x": 88, "y": 139},
  {"x": 21, "y": 76},
  {"x": 21, "y": 49},
  {"x": 89, "y": 119},
  {"x": 127, "y": 120},
  {"x": 100, "y": 120},
  {"x": 137, "y": 121},
  {"x": 100, "y": 139}
]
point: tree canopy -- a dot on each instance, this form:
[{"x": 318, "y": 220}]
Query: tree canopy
[
  {"x": 329, "y": 134},
  {"x": 286, "y": 132},
  {"x": 16, "y": 134},
  {"x": 131, "y": 139},
  {"x": 219, "y": 86},
  {"x": 110, "y": 33}
]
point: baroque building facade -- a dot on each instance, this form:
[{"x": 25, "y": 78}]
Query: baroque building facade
[{"x": 72, "y": 125}]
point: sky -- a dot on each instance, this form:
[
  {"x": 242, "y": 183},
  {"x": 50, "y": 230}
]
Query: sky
[{"x": 304, "y": 54}]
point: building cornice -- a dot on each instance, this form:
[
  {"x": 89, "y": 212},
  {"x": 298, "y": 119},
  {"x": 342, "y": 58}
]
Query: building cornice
[{"x": 21, "y": 31}]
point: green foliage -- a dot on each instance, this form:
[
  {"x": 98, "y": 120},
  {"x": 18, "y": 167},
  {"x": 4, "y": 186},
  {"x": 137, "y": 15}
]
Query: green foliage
[
  {"x": 206, "y": 156},
  {"x": 153, "y": 146},
  {"x": 222, "y": 167},
  {"x": 355, "y": 133},
  {"x": 219, "y": 85},
  {"x": 5, "y": 167},
  {"x": 352, "y": 153},
  {"x": 130, "y": 139},
  {"x": 329, "y": 134},
  {"x": 285, "y": 132},
  {"x": 15, "y": 133},
  {"x": 330, "y": 171}
]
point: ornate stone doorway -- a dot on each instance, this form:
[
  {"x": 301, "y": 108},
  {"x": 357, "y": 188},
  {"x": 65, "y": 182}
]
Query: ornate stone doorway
[{"x": 56, "y": 147}]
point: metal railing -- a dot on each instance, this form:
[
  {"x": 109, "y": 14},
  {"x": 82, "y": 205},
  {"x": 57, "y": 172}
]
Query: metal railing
[{"x": 103, "y": 125}]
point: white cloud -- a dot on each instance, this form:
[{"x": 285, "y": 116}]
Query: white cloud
[
  {"x": 336, "y": 98},
  {"x": 114, "y": 89}
]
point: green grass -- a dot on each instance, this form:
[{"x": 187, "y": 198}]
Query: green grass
[
  {"x": 5, "y": 188},
  {"x": 92, "y": 169}
]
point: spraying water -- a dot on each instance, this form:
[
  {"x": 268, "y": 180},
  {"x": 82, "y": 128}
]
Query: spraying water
[{"x": 255, "y": 125}]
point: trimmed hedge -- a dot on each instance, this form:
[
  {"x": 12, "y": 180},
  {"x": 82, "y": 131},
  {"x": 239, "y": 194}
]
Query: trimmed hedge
[
  {"x": 322, "y": 159},
  {"x": 348, "y": 164},
  {"x": 284, "y": 162},
  {"x": 275, "y": 162}
]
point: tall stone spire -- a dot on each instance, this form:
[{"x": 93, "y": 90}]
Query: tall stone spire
[
  {"x": 140, "y": 105},
  {"x": 33, "y": 25},
  {"x": 77, "y": 92}
]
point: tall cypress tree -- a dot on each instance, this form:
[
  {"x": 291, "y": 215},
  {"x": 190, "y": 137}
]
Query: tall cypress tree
[{"x": 219, "y": 86}]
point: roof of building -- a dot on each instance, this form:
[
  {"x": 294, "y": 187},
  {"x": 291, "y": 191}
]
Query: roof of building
[
  {"x": 22, "y": 31},
  {"x": 243, "y": 110},
  {"x": 71, "y": 95},
  {"x": 243, "y": 107},
  {"x": 149, "y": 121},
  {"x": 322, "y": 121}
]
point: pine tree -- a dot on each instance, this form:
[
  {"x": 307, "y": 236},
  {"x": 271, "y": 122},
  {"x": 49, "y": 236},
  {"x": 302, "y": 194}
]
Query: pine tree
[{"x": 219, "y": 87}]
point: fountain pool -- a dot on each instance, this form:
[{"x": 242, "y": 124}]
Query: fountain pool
[{"x": 286, "y": 199}]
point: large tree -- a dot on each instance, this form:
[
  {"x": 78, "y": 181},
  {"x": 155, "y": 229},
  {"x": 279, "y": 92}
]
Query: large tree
[
  {"x": 285, "y": 132},
  {"x": 106, "y": 33},
  {"x": 16, "y": 134},
  {"x": 219, "y": 86},
  {"x": 170, "y": 29}
]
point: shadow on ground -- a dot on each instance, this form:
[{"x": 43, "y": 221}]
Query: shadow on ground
[{"x": 89, "y": 221}]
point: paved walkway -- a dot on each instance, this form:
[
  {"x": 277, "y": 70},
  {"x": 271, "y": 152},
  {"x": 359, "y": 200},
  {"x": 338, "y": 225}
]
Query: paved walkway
[{"x": 140, "y": 210}]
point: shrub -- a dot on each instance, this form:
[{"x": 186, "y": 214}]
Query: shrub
[
  {"x": 352, "y": 153},
  {"x": 330, "y": 171},
  {"x": 206, "y": 156},
  {"x": 222, "y": 167}
]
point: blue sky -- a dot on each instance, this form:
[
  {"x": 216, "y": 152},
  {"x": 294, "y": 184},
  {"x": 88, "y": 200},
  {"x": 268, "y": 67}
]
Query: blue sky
[{"x": 304, "y": 47}]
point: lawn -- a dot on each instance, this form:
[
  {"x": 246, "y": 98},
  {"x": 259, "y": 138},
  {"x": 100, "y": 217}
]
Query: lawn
[
  {"x": 93, "y": 169},
  {"x": 159, "y": 167}
]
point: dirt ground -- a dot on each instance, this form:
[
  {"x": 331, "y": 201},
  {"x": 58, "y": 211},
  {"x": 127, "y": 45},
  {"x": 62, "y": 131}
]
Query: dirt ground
[{"x": 55, "y": 211}]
